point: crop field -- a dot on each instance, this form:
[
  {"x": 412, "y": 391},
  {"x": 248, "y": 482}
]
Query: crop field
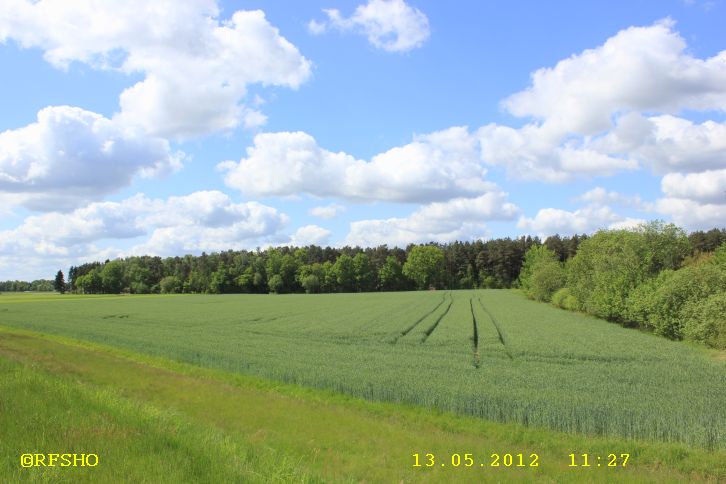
[{"x": 484, "y": 353}]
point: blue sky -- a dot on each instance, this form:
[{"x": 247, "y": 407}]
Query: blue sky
[{"x": 155, "y": 128}]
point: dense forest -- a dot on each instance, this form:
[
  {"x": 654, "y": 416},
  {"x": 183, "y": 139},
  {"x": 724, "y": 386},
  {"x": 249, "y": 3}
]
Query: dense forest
[
  {"x": 460, "y": 265},
  {"x": 40, "y": 285},
  {"x": 313, "y": 269},
  {"x": 655, "y": 278}
]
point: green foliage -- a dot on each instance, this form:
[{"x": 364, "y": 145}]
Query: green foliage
[
  {"x": 112, "y": 277},
  {"x": 311, "y": 284},
  {"x": 542, "y": 273},
  {"x": 611, "y": 264},
  {"x": 276, "y": 284},
  {"x": 564, "y": 299},
  {"x": 246, "y": 280},
  {"x": 719, "y": 255},
  {"x": 311, "y": 277},
  {"x": 547, "y": 279},
  {"x": 667, "y": 245},
  {"x": 641, "y": 303},
  {"x": 365, "y": 276},
  {"x": 677, "y": 289},
  {"x": 170, "y": 284},
  {"x": 705, "y": 320},
  {"x": 139, "y": 287},
  {"x": 491, "y": 264},
  {"x": 424, "y": 266},
  {"x": 39, "y": 285},
  {"x": 391, "y": 275},
  {"x": 90, "y": 283},
  {"x": 259, "y": 283},
  {"x": 638, "y": 278},
  {"x": 328, "y": 280},
  {"x": 489, "y": 282},
  {"x": 343, "y": 272},
  {"x": 220, "y": 281},
  {"x": 139, "y": 277}
]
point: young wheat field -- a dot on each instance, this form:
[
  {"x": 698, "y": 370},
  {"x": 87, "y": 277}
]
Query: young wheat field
[{"x": 484, "y": 353}]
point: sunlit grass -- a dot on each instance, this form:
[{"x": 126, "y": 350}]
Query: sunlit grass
[{"x": 154, "y": 420}]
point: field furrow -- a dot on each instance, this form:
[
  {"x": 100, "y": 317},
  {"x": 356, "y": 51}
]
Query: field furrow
[
  {"x": 500, "y": 338},
  {"x": 475, "y": 335},
  {"x": 418, "y": 321},
  {"x": 454, "y": 330}
]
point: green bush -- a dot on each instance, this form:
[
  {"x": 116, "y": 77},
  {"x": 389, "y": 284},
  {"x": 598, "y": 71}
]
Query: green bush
[
  {"x": 565, "y": 300},
  {"x": 612, "y": 263},
  {"x": 276, "y": 284},
  {"x": 170, "y": 284},
  {"x": 705, "y": 320},
  {"x": 559, "y": 296},
  {"x": 542, "y": 273},
  {"x": 546, "y": 280},
  {"x": 687, "y": 286},
  {"x": 719, "y": 255},
  {"x": 640, "y": 305}
]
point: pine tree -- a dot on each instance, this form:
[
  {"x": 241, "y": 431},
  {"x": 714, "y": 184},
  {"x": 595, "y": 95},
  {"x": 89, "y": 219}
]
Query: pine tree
[{"x": 59, "y": 284}]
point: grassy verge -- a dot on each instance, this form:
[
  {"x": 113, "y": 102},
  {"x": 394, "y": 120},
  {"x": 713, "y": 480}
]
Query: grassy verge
[{"x": 154, "y": 420}]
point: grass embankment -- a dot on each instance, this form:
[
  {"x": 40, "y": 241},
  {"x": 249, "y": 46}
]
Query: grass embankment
[{"x": 154, "y": 420}]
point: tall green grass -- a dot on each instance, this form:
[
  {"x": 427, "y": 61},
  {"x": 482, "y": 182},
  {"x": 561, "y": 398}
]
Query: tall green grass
[
  {"x": 157, "y": 421},
  {"x": 536, "y": 364},
  {"x": 133, "y": 441}
]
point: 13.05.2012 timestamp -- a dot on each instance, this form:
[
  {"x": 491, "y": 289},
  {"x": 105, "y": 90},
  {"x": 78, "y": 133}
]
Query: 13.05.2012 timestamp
[
  {"x": 470, "y": 460},
  {"x": 516, "y": 460}
]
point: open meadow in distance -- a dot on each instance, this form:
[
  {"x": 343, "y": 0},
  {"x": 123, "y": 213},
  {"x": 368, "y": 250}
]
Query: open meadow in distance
[{"x": 484, "y": 355}]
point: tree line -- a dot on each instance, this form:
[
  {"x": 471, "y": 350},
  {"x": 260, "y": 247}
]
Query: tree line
[
  {"x": 459, "y": 265},
  {"x": 313, "y": 269},
  {"x": 654, "y": 277},
  {"x": 39, "y": 285}
]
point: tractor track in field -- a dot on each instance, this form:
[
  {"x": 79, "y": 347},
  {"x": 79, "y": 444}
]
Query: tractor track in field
[
  {"x": 432, "y": 328},
  {"x": 475, "y": 335},
  {"x": 502, "y": 339},
  {"x": 416, "y": 323}
]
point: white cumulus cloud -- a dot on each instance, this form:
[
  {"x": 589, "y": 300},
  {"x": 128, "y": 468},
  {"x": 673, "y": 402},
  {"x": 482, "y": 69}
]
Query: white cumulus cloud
[
  {"x": 433, "y": 167},
  {"x": 70, "y": 156},
  {"x": 200, "y": 221},
  {"x": 640, "y": 68},
  {"x": 599, "y": 196},
  {"x": 310, "y": 235},
  {"x": 551, "y": 221},
  {"x": 327, "y": 212},
  {"x": 457, "y": 219},
  {"x": 707, "y": 187},
  {"x": 615, "y": 108},
  {"x": 692, "y": 214},
  {"x": 534, "y": 152},
  {"x": 391, "y": 25},
  {"x": 196, "y": 66}
]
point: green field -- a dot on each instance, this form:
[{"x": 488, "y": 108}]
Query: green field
[{"x": 490, "y": 354}]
